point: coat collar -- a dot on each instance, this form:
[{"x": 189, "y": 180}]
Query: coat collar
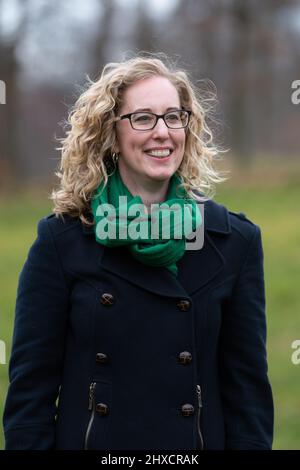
[{"x": 196, "y": 269}]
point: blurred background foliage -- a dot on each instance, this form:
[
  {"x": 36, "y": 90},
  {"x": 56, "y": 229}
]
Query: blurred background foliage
[{"x": 250, "y": 53}]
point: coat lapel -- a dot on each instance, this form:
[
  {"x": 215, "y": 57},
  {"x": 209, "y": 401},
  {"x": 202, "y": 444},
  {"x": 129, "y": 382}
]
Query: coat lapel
[
  {"x": 196, "y": 268},
  {"x": 154, "y": 279}
]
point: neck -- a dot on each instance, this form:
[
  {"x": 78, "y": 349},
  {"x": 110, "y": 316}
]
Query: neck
[
  {"x": 151, "y": 191},
  {"x": 150, "y": 198}
]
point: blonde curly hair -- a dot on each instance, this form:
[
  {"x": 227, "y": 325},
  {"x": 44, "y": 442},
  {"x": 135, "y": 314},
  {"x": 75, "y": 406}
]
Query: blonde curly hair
[{"x": 91, "y": 139}]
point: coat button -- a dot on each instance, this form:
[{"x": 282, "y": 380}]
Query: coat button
[
  {"x": 102, "y": 358},
  {"x": 107, "y": 299},
  {"x": 187, "y": 409},
  {"x": 183, "y": 305},
  {"x": 102, "y": 409},
  {"x": 185, "y": 357}
]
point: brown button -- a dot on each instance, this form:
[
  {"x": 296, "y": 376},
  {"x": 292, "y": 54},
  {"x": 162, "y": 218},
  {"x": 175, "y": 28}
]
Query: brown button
[
  {"x": 102, "y": 409},
  {"x": 183, "y": 305},
  {"x": 107, "y": 299},
  {"x": 187, "y": 409},
  {"x": 185, "y": 357},
  {"x": 102, "y": 358}
]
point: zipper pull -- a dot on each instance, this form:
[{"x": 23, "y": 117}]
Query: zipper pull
[
  {"x": 199, "y": 393},
  {"x": 199, "y": 396},
  {"x": 91, "y": 395}
]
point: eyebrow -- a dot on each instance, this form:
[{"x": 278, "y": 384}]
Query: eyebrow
[{"x": 173, "y": 108}]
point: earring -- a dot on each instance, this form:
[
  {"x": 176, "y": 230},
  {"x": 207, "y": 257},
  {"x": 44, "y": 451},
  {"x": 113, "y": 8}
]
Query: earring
[{"x": 115, "y": 158}]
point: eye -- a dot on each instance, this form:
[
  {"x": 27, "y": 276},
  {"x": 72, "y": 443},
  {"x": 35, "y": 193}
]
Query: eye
[
  {"x": 173, "y": 117},
  {"x": 142, "y": 118}
]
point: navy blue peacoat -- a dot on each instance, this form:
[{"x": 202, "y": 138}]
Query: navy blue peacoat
[{"x": 111, "y": 354}]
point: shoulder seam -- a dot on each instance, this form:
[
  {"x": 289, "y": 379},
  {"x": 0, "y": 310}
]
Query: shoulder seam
[
  {"x": 63, "y": 229},
  {"x": 251, "y": 225},
  {"x": 242, "y": 234},
  {"x": 241, "y": 216},
  {"x": 250, "y": 244}
]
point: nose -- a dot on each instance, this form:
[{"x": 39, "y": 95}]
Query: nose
[{"x": 161, "y": 130}]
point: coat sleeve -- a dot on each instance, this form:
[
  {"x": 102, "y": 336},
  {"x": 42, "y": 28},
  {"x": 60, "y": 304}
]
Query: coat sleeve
[
  {"x": 245, "y": 388},
  {"x": 38, "y": 347}
]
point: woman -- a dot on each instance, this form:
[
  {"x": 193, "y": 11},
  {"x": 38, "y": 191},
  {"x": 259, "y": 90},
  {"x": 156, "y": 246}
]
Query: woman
[{"x": 146, "y": 344}]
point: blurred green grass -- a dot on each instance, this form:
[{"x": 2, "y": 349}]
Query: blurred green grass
[{"x": 275, "y": 208}]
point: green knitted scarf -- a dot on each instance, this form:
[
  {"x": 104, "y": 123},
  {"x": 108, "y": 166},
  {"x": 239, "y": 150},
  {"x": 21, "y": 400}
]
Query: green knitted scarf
[{"x": 155, "y": 238}]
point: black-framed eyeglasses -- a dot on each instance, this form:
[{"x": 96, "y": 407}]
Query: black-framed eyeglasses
[{"x": 145, "y": 121}]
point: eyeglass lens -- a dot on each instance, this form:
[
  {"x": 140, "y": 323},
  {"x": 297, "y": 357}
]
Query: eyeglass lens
[{"x": 174, "y": 120}]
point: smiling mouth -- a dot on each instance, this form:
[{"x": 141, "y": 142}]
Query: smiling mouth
[{"x": 159, "y": 153}]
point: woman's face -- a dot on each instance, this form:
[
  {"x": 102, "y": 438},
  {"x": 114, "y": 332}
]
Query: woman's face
[{"x": 137, "y": 160}]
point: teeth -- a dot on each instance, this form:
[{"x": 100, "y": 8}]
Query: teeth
[{"x": 159, "y": 153}]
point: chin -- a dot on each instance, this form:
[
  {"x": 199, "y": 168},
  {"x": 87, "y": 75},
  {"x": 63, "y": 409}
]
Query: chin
[{"x": 161, "y": 175}]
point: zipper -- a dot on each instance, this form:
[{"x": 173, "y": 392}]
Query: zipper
[
  {"x": 91, "y": 408},
  {"x": 199, "y": 416}
]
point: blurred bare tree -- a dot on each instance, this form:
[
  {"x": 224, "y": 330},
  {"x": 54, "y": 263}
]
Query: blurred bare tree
[
  {"x": 11, "y": 163},
  {"x": 249, "y": 49},
  {"x": 102, "y": 38}
]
